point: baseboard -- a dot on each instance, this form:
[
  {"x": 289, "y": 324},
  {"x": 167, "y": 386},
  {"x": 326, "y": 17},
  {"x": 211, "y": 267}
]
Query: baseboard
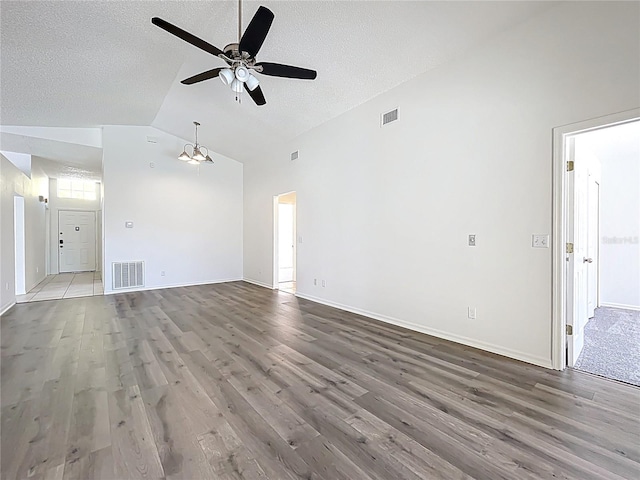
[
  {"x": 517, "y": 355},
  {"x": 7, "y": 308},
  {"x": 620, "y": 305},
  {"x": 256, "y": 282},
  {"x": 176, "y": 285}
]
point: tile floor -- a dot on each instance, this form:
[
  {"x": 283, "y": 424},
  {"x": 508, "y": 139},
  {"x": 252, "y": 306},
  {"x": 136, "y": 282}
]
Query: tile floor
[
  {"x": 289, "y": 287},
  {"x": 64, "y": 285}
]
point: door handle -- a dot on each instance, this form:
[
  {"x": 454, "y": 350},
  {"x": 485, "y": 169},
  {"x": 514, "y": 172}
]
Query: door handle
[{"x": 587, "y": 260}]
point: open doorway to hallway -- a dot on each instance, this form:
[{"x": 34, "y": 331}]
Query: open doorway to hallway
[
  {"x": 603, "y": 259},
  {"x": 285, "y": 242},
  {"x": 19, "y": 244}
]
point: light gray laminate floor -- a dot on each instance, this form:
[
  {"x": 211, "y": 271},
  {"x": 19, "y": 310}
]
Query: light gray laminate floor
[{"x": 236, "y": 381}]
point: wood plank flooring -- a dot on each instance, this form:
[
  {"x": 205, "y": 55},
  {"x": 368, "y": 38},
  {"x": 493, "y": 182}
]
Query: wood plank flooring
[{"x": 234, "y": 381}]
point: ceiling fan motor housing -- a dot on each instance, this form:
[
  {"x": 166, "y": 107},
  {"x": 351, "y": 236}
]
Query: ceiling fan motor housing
[{"x": 240, "y": 57}]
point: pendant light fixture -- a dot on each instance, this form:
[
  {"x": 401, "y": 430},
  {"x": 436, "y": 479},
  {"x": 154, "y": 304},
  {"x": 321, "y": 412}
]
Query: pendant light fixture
[{"x": 197, "y": 156}]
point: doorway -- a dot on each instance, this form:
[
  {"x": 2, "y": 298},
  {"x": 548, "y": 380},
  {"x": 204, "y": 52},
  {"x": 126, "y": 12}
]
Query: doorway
[
  {"x": 596, "y": 248},
  {"x": 285, "y": 242},
  {"x": 76, "y": 241},
  {"x": 19, "y": 245}
]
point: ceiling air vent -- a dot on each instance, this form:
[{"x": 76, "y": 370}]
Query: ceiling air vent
[
  {"x": 152, "y": 139},
  {"x": 294, "y": 155},
  {"x": 389, "y": 117}
]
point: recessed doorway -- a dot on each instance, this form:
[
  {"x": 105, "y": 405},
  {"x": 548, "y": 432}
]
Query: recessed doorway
[
  {"x": 285, "y": 242},
  {"x": 19, "y": 244},
  {"x": 597, "y": 247}
]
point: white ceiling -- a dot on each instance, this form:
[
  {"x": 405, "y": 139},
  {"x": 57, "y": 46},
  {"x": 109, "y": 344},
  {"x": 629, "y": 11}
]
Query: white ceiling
[
  {"x": 71, "y": 154},
  {"x": 103, "y": 62},
  {"x": 56, "y": 169}
]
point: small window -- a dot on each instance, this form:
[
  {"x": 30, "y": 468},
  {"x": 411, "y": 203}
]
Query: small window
[{"x": 76, "y": 188}]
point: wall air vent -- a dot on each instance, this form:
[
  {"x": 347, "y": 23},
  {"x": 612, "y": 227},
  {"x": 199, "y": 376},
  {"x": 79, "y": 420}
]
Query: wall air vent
[
  {"x": 294, "y": 155},
  {"x": 389, "y": 117},
  {"x": 128, "y": 274}
]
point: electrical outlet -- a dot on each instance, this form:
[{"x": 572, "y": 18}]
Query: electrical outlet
[
  {"x": 315, "y": 281},
  {"x": 471, "y": 313},
  {"x": 299, "y": 238},
  {"x": 324, "y": 283},
  {"x": 540, "y": 241},
  {"x": 472, "y": 240},
  {"x": 6, "y": 286},
  {"x": 37, "y": 269},
  {"x": 162, "y": 273}
]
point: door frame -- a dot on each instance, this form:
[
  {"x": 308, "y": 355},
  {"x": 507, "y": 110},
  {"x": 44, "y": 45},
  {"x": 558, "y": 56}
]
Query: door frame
[
  {"x": 19, "y": 245},
  {"x": 95, "y": 233},
  {"x": 276, "y": 237},
  {"x": 559, "y": 225}
]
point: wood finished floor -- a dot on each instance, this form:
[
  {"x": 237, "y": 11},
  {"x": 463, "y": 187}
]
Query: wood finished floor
[{"x": 236, "y": 381}]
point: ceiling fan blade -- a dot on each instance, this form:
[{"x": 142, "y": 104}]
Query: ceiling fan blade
[
  {"x": 186, "y": 36},
  {"x": 202, "y": 76},
  {"x": 256, "y": 32},
  {"x": 279, "y": 70},
  {"x": 257, "y": 95}
]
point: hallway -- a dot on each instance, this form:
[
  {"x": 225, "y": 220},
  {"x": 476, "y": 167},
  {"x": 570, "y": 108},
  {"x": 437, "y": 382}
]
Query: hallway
[
  {"x": 612, "y": 345},
  {"x": 64, "y": 285}
]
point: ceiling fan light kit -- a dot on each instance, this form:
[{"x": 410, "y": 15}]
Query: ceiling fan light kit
[
  {"x": 240, "y": 57},
  {"x": 196, "y": 157}
]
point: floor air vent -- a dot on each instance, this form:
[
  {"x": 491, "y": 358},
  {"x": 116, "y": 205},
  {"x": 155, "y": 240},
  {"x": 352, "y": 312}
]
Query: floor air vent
[
  {"x": 389, "y": 117},
  {"x": 128, "y": 274}
]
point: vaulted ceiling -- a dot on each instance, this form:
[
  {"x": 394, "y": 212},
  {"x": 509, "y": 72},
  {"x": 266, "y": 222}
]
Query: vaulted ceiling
[{"x": 86, "y": 64}]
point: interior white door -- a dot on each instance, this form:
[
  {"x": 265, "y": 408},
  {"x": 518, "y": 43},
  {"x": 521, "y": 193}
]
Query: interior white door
[
  {"x": 593, "y": 234},
  {"x": 577, "y": 229},
  {"x": 77, "y": 241},
  {"x": 286, "y": 242}
]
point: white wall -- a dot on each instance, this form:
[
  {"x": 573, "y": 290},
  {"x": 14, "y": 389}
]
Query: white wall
[
  {"x": 385, "y": 212},
  {"x": 187, "y": 223},
  {"x": 620, "y": 221},
  {"x": 55, "y": 205},
  {"x": 12, "y": 182}
]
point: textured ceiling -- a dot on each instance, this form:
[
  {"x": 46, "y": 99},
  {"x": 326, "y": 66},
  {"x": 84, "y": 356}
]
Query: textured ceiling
[
  {"x": 94, "y": 63},
  {"x": 54, "y": 169}
]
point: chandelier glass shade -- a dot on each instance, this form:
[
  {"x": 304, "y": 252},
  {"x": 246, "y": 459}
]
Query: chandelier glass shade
[{"x": 197, "y": 155}]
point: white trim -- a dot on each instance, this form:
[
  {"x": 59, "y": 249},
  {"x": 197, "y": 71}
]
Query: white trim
[
  {"x": 620, "y": 305},
  {"x": 256, "y": 282},
  {"x": 176, "y": 285},
  {"x": 524, "y": 357},
  {"x": 7, "y": 308},
  {"x": 558, "y": 231}
]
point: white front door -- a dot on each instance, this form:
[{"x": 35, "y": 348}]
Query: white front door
[{"x": 77, "y": 241}]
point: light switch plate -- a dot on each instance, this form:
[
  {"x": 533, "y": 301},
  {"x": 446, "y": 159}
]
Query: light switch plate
[
  {"x": 472, "y": 240},
  {"x": 540, "y": 241},
  {"x": 128, "y": 224}
]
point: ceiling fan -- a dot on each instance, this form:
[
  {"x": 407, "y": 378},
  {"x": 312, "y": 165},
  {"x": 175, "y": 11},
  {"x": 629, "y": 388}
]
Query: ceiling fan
[{"x": 240, "y": 57}]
